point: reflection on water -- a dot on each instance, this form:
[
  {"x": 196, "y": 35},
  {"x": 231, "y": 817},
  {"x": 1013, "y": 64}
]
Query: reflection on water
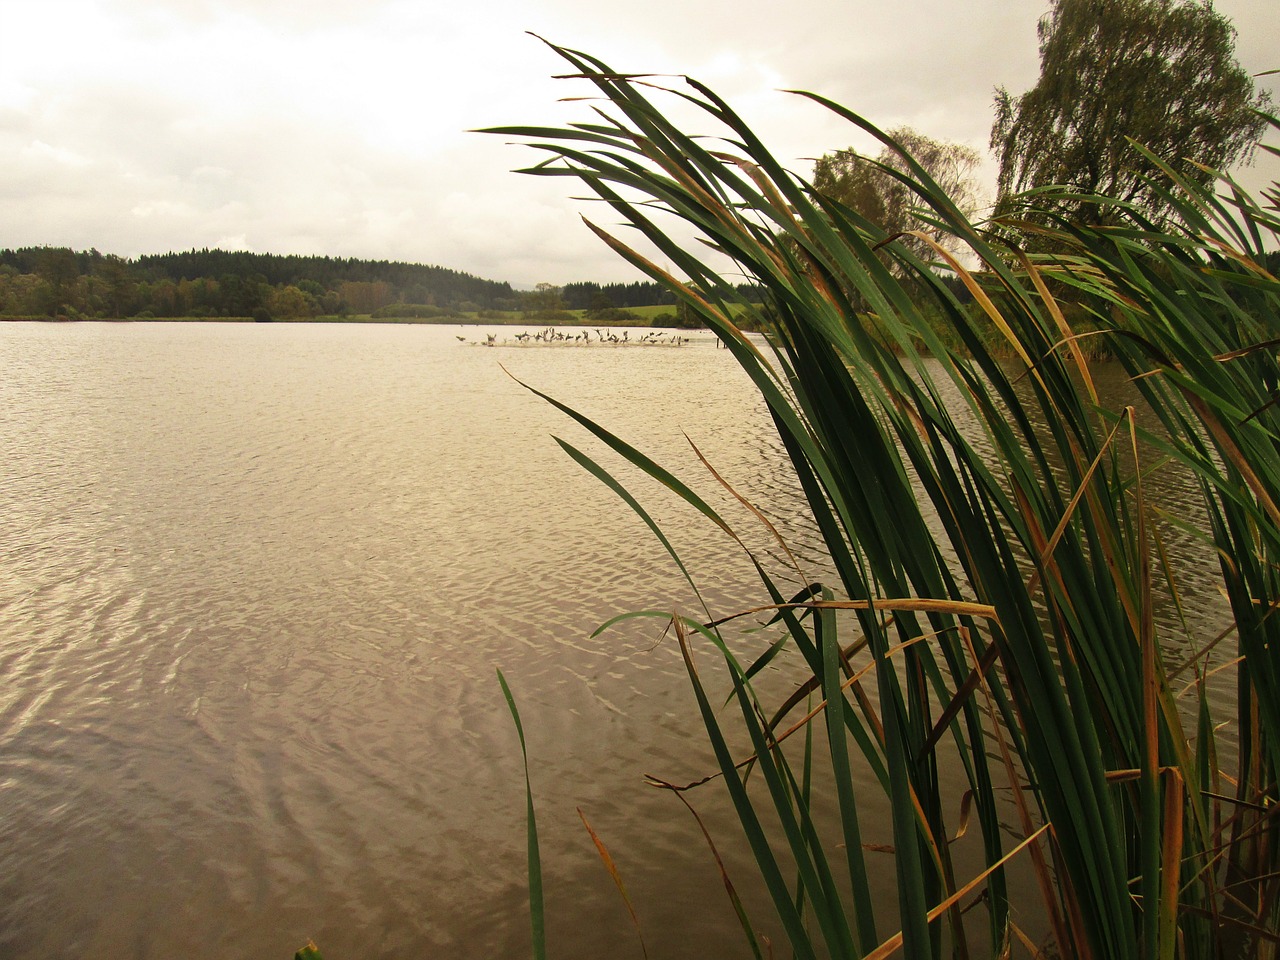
[{"x": 254, "y": 584}]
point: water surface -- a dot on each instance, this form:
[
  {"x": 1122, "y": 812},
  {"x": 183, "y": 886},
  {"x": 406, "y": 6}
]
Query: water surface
[
  {"x": 254, "y": 586},
  {"x": 255, "y": 581}
]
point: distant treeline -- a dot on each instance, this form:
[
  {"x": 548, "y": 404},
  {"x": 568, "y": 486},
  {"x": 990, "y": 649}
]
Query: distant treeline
[
  {"x": 58, "y": 281},
  {"x": 411, "y": 282},
  {"x": 586, "y": 295},
  {"x": 51, "y": 281},
  {"x": 593, "y": 296}
]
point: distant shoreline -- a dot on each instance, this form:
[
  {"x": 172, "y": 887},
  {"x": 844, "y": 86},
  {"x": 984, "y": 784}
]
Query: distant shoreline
[{"x": 461, "y": 321}]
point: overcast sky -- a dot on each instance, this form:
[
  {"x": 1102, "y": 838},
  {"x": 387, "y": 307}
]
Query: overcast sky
[{"x": 338, "y": 127}]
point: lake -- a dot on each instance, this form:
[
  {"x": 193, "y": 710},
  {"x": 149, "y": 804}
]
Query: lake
[{"x": 255, "y": 583}]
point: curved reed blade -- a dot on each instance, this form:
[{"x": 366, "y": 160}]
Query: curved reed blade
[
  {"x": 607, "y": 859},
  {"x": 986, "y": 533},
  {"x": 537, "y": 909}
]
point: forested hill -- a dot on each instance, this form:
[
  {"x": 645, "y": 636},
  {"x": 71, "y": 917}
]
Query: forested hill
[
  {"x": 415, "y": 283},
  {"x": 58, "y": 281}
]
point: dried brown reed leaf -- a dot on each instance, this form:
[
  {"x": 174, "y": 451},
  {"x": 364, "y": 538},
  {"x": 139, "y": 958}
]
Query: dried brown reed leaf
[
  {"x": 894, "y": 943},
  {"x": 612, "y": 867},
  {"x": 755, "y": 511}
]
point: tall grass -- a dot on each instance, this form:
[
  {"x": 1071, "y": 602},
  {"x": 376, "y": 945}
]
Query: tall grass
[{"x": 992, "y": 609}]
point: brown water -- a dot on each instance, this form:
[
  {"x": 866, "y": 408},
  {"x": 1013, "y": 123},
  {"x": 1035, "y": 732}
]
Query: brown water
[{"x": 255, "y": 581}]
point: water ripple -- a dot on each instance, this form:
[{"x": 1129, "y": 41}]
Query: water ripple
[{"x": 254, "y": 584}]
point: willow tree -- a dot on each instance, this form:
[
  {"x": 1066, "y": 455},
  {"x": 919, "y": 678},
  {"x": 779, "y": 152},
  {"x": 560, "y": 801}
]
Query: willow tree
[
  {"x": 1161, "y": 73},
  {"x": 876, "y": 189}
]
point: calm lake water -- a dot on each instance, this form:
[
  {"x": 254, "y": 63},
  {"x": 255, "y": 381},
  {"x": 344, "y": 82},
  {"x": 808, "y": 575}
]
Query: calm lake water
[{"x": 255, "y": 581}]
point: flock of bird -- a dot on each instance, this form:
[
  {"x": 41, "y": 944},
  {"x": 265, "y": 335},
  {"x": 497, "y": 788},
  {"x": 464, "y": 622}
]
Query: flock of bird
[{"x": 552, "y": 335}]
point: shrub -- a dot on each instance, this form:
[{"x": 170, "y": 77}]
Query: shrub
[
  {"x": 614, "y": 315},
  {"x": 549, "y": 316},
  {"x": 420, "y": 311}
]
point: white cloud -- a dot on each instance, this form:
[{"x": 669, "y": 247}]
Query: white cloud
[
  {"x": 232, "y": 242},
  {"x": 166, "y": 209},
  {"x": 41, "y": 152}
]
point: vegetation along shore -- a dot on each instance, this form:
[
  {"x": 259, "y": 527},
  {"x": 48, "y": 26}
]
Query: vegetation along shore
[
  {"x": 986, "y": 656},
  {"x": 57, "y": 283}
]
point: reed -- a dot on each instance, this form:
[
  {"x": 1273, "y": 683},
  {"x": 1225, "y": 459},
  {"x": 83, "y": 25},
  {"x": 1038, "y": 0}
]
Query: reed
[{"x": 989, "y": 612}]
